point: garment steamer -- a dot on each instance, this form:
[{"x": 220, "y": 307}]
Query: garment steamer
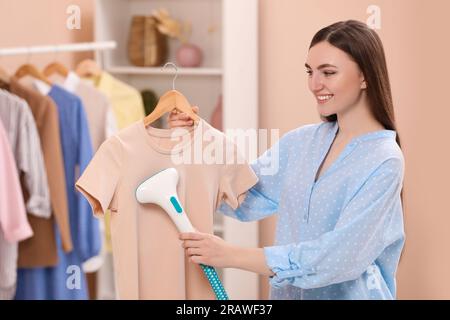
[{"x": 161, "y": 189}]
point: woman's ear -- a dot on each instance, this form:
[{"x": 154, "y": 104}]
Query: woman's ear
[
  {"x": 363, "y": 84},
  {"x": 363, "y": 80}
]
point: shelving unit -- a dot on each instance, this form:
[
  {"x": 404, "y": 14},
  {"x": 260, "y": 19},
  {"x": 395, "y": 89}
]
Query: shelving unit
[{"x": 227, "y": 32}]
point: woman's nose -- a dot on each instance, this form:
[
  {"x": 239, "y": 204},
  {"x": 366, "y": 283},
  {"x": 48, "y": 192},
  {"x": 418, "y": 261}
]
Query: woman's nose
[{"x": 316, "y": 83}]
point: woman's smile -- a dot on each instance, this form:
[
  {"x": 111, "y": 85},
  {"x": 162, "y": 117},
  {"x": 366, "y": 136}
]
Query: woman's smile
[{"x": 324, "y": 98}]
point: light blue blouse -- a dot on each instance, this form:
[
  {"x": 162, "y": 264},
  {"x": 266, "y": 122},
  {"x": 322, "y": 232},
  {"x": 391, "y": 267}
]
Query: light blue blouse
[{"x": 339, "y": 237}]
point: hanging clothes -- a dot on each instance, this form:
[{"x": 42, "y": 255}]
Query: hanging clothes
[
  {"x": 148, "y": 258},
  {"x": 128, "y": 107},
  {"x": 14, "y": 225},
  {"x": 40, "y": 250},
  {"x": 77, "y": 151},
  {"x": 102, "y": 124},
  {"x": 99, "y": 112},
  {"x": 126, "y": 101},
  {"x": 51, "y": 283},
  {"x": 19, "y": 124}
]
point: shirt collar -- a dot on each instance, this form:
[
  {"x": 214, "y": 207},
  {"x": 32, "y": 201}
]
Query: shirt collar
[
  {"x": 41, "y": 86},
  {"x": 71, "y": 82},
  {"x": 366, "y": 136},
  {"x": 376, "y": 135}
]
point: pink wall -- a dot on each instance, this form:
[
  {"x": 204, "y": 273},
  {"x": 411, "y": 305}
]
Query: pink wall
[
  {"x": 42, "y": 22},
  {"x": 413, "y": 33}
]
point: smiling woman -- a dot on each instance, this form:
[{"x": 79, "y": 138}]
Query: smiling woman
[
  {"x": 338, "y": 188},
  {"x": 356, "y": 67}
]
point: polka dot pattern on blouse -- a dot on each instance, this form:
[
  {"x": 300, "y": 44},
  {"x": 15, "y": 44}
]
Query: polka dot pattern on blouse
[{"x": 339, "y": 237}]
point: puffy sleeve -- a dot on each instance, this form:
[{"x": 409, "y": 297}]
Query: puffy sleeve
[
  {"x": 262, "y": 199},
  {"x": 237, "y": 177},
  {"x": 31, "y": 163},
  {"x": 99, "y": 180},
  {"x": 13, "y": 218},
  {"x": 358, "y": 238}
]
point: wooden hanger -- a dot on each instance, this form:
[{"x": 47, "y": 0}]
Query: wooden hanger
[
  {"x": 169, "y": 101},
  {"x": 55, "y": 67},
  {"x": 4, "y": 76},
  {"x": 88, "y": 68},
  {"x": 31, "y": 70}
]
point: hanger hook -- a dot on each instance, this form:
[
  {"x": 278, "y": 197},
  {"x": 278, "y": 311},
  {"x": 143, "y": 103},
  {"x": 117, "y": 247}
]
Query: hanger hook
[{"x": 176, "y": 72}]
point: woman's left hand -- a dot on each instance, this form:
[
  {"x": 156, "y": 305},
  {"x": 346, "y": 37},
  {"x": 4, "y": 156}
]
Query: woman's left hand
[{"x": 207, "y": 249}]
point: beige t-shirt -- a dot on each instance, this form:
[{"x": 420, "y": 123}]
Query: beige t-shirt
[{"x": 149, "y": 261}]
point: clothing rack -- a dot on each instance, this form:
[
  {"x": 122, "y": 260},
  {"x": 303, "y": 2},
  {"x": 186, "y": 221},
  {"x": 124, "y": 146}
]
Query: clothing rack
[{"x": 71, "y": 47}]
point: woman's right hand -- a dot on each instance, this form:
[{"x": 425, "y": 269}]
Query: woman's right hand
[{"x": 181, "y": 119}]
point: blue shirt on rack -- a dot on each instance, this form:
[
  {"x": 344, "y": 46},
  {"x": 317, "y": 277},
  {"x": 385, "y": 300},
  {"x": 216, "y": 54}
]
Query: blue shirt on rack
[{"x": 339, "y": 237}]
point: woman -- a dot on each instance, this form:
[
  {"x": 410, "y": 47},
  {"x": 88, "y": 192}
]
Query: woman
[{"x": 338, "y": 188}]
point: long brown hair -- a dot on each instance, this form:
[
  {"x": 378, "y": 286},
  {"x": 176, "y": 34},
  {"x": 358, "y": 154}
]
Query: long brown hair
[{"x": 364, "y": 46}]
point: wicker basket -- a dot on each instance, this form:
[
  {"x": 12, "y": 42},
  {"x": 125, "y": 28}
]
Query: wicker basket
[{"x": 146, "y": 45}]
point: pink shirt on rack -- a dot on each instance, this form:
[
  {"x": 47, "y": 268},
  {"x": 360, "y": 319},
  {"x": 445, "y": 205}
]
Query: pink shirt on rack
[
  {"x": 13, "y": 219},
  {"x": 14, "y": 226}
]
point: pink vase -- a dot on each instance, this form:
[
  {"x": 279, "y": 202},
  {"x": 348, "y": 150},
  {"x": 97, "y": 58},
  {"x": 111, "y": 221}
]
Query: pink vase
[{"x": 189, "y": 55}]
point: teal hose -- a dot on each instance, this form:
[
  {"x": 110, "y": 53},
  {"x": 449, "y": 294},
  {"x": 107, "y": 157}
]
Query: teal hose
[{"x": 215, "y": 283}]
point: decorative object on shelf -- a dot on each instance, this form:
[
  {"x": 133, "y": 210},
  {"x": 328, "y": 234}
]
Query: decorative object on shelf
[
  {"x": 167, "y": 25},
  {"x": 150, "y": 100},
  {"x": 216, "y": 117},
  {"x": 147, "y": 45},
  {"x": 188, "y": 55}
]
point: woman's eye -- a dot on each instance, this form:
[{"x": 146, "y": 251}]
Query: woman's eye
[
  {"x": 329, "y": 73},
  {"x": 309, "y": 72}
]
